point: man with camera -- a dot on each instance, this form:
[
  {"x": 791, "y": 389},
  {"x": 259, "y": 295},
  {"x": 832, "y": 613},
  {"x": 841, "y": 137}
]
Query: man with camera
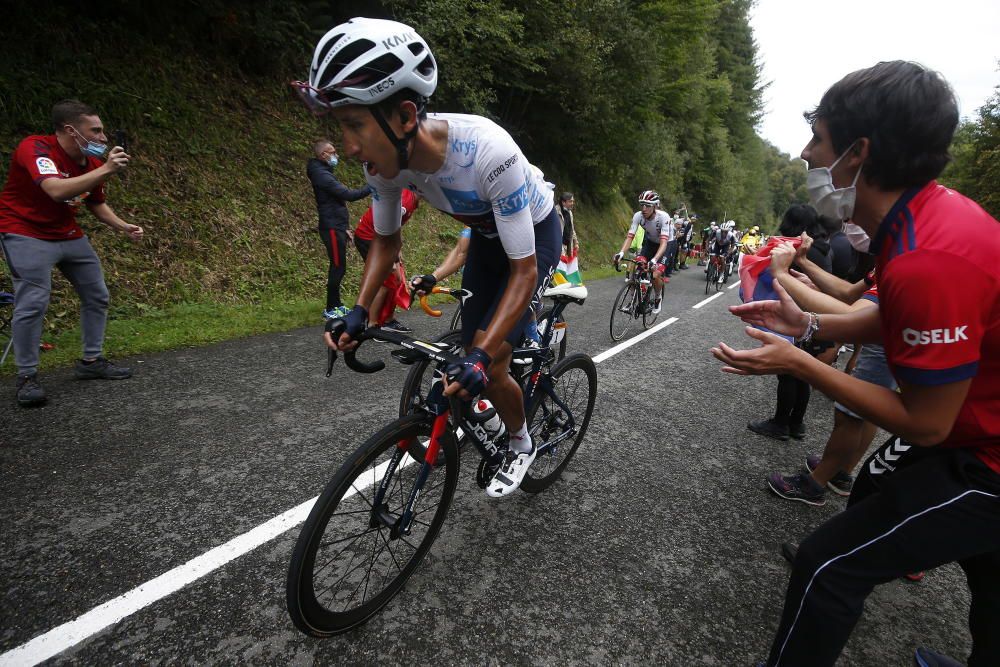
[{"x": 50, "y": 177}]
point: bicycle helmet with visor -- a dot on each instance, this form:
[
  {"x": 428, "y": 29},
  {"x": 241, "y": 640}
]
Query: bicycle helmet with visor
[
  {"x": 649, "y": 197},
  {"x": 366, "y": 61}
]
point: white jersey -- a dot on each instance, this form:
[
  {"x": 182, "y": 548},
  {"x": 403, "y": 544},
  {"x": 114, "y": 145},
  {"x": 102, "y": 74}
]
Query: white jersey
[
  {"x": 656, "y": 227},
  {"x": 485, "y": 183}
]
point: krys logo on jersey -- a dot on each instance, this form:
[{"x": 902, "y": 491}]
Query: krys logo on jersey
[
  {"x": 913, "y": 337},
  {"x": 465, "y": 149}
]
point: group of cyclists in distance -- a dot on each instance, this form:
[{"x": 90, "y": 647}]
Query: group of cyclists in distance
[
  {"x": 376, "y": 76},
  {"x": 663, "y": 243}
]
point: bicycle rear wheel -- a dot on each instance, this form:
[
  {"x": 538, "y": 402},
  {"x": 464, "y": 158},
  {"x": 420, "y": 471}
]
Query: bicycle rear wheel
[
  {"x": 623, "y": 310},
  {"x": 347, "y": 563},
  {"x": 648, "y": 316},
  {"x": 557, "y": 430},
  {"x": 417, "y": 385}
]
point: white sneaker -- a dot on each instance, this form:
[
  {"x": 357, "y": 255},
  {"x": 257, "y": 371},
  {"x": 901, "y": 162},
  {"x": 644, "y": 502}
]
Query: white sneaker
[{"x": 508, "y": 478}]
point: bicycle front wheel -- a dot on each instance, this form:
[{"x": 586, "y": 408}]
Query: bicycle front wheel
[
  {"x": 711, "y": 276},
  {"x": 350, "y": 558},
  {"x": 557, "y": 430},
  {"x": 622, "y": 311},
  {"x": 456, "y": 319}
]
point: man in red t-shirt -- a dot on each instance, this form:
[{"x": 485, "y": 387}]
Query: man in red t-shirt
[
  {"x": 931, "y": 494},
  {"x": 50, "y": 177},
  {"x": 394, "y": 285}
]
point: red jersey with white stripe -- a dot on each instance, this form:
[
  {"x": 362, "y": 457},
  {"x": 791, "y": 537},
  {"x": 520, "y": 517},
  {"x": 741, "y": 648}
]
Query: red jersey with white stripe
[
  {"x": 939, "y": 290},
  {"x": 26, "y": 209},
  {"x": 366, "y": 226}
]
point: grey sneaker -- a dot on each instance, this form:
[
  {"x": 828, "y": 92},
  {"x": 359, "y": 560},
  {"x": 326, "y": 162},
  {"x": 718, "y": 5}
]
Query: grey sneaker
[
  {"x": 841, "y": 484},
  {"x": 100, "y": 369},
  {"x": 29, "y": 392}
]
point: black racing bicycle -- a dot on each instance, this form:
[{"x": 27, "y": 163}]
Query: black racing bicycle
[
  {"x": 635, "y": 299},
  {"x": 381, "y": 512},
  {"x": 418, "y": 381}
]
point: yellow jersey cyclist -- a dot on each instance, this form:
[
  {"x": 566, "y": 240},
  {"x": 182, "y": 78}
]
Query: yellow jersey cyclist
[
  {"x": 375, "y": 76},
  {"x": 657, "y": 229}
]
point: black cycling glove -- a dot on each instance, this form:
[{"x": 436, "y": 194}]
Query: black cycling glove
[
  {"x": 470, "y": 371},
  {"x": 355, "y": 321},
  {"x": 424, "y": 283}
]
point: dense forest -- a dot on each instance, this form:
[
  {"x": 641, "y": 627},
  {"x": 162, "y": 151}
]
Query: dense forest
[{"x": 608, "y": 97}]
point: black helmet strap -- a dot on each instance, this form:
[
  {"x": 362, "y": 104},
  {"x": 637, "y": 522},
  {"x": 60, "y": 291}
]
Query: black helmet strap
[{"x": 401, "y": 143}]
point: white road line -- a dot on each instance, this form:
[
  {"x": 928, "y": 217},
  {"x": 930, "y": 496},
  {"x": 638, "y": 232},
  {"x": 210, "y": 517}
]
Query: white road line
[
  {"x": 73, "y": 632},
  {"x": 736, "y": 284},
  {"x": 69, "y": 634},
  {"x": 607, "y": 354},
  {"x": 702, "y": 303}
]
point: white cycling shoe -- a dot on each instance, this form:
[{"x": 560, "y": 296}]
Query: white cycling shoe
[
  {"x": 656, "y": 308},
  {"x": 508, "y": 478}
]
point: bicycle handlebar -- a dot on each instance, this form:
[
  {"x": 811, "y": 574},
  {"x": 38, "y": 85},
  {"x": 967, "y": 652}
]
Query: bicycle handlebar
[{"x": 459, "y": 294}]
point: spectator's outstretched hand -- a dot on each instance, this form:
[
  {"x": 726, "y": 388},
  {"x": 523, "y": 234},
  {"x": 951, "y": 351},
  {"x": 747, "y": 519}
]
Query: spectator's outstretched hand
[
  {"x": 782, "y": 257},
  {"x": 775, "y": 356},
  {"x": 782, "y": 316}
]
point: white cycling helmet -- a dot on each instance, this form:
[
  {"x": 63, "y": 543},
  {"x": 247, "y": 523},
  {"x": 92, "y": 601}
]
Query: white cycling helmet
[
  {"x": 730, "y": 225},
  {"x": 649, "y": 197},
  {"x": 364, "y": 61}
]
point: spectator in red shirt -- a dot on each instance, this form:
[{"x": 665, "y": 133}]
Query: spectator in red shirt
[
  {"x": 50, "y": 177},
  {"x": 931, "y": 494},
  {"x": 363, "y": 235}
]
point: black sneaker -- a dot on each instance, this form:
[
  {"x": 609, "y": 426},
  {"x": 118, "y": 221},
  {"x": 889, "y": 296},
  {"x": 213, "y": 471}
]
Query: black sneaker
[
  {"x": 797, "y": 431},
  {"x": 29, "y": 392},
  {"x": 927, "y": 658},
  {"x": 397, "y": 326},
  {"x": 797, "y": 487},
  {"x": 842, "y": 482},
  {"x": 769, "y": 428},
  {"x": 100, "y": 369}
]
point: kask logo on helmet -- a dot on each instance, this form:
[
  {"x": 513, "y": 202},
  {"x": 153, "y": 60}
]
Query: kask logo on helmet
[{"x": 396, "y": 40}]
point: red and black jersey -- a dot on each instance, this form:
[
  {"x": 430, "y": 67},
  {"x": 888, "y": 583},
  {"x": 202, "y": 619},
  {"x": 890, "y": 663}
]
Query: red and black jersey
[
  {"x": 26, "y": 209},
  {"x": 939, "y": 292}
]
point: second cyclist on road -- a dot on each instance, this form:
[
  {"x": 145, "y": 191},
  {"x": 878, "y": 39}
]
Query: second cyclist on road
[{"x": 657, "y": 228}]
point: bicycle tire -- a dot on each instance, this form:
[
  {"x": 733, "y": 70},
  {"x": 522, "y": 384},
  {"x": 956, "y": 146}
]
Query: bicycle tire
[
  {"x": 713, "y": 276},
  {"x": 544, "y": 420},
  {"x": 338, "y": 512},
  {"x": 648, "y": 316},
  {"x": 416, "y": 386},
  {"x": 625, "y": 298},
  {"x": 561, "y": 352}
]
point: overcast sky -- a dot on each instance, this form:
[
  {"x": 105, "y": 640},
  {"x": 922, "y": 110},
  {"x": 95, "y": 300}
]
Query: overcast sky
[{"x": 807, "y": 46}]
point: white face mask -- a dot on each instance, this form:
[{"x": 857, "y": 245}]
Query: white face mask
[
  {"x": 829, "y": 201},
  {"x": 858, "y": 237}
]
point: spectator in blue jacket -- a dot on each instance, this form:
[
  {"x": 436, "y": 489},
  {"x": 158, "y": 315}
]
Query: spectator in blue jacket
[{"x": 331, "y": 203}]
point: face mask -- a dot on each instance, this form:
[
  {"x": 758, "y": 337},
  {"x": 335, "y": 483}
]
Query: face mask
[
  {"x": 92, "y": 148},
  {"x": 858, "y": 237},
  {"x": 332, "y": 161},
  {"x": 829, "y": 201}
]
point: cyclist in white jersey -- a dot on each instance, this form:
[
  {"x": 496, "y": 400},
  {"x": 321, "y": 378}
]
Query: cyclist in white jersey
[
  {"x": 375, "y": 76},
  {"x": 657, "y": 232}
]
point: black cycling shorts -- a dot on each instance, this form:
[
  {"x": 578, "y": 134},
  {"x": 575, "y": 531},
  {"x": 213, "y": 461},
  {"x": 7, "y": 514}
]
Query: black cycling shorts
[{"x": 487, "y": 270}]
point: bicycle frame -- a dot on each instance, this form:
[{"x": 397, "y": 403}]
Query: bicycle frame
[{"x": 442, "y": 408}]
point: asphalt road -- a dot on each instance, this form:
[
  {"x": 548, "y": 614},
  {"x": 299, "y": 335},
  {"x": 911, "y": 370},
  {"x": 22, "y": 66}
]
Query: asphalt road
[{"x": 658, "y": 546}]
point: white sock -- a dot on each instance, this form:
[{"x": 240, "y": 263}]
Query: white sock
[{"x": 520, "y": 441}]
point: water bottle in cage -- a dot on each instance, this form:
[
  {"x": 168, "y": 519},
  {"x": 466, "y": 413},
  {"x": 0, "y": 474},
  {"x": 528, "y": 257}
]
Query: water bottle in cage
[{"x": 494, "y": 425}]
